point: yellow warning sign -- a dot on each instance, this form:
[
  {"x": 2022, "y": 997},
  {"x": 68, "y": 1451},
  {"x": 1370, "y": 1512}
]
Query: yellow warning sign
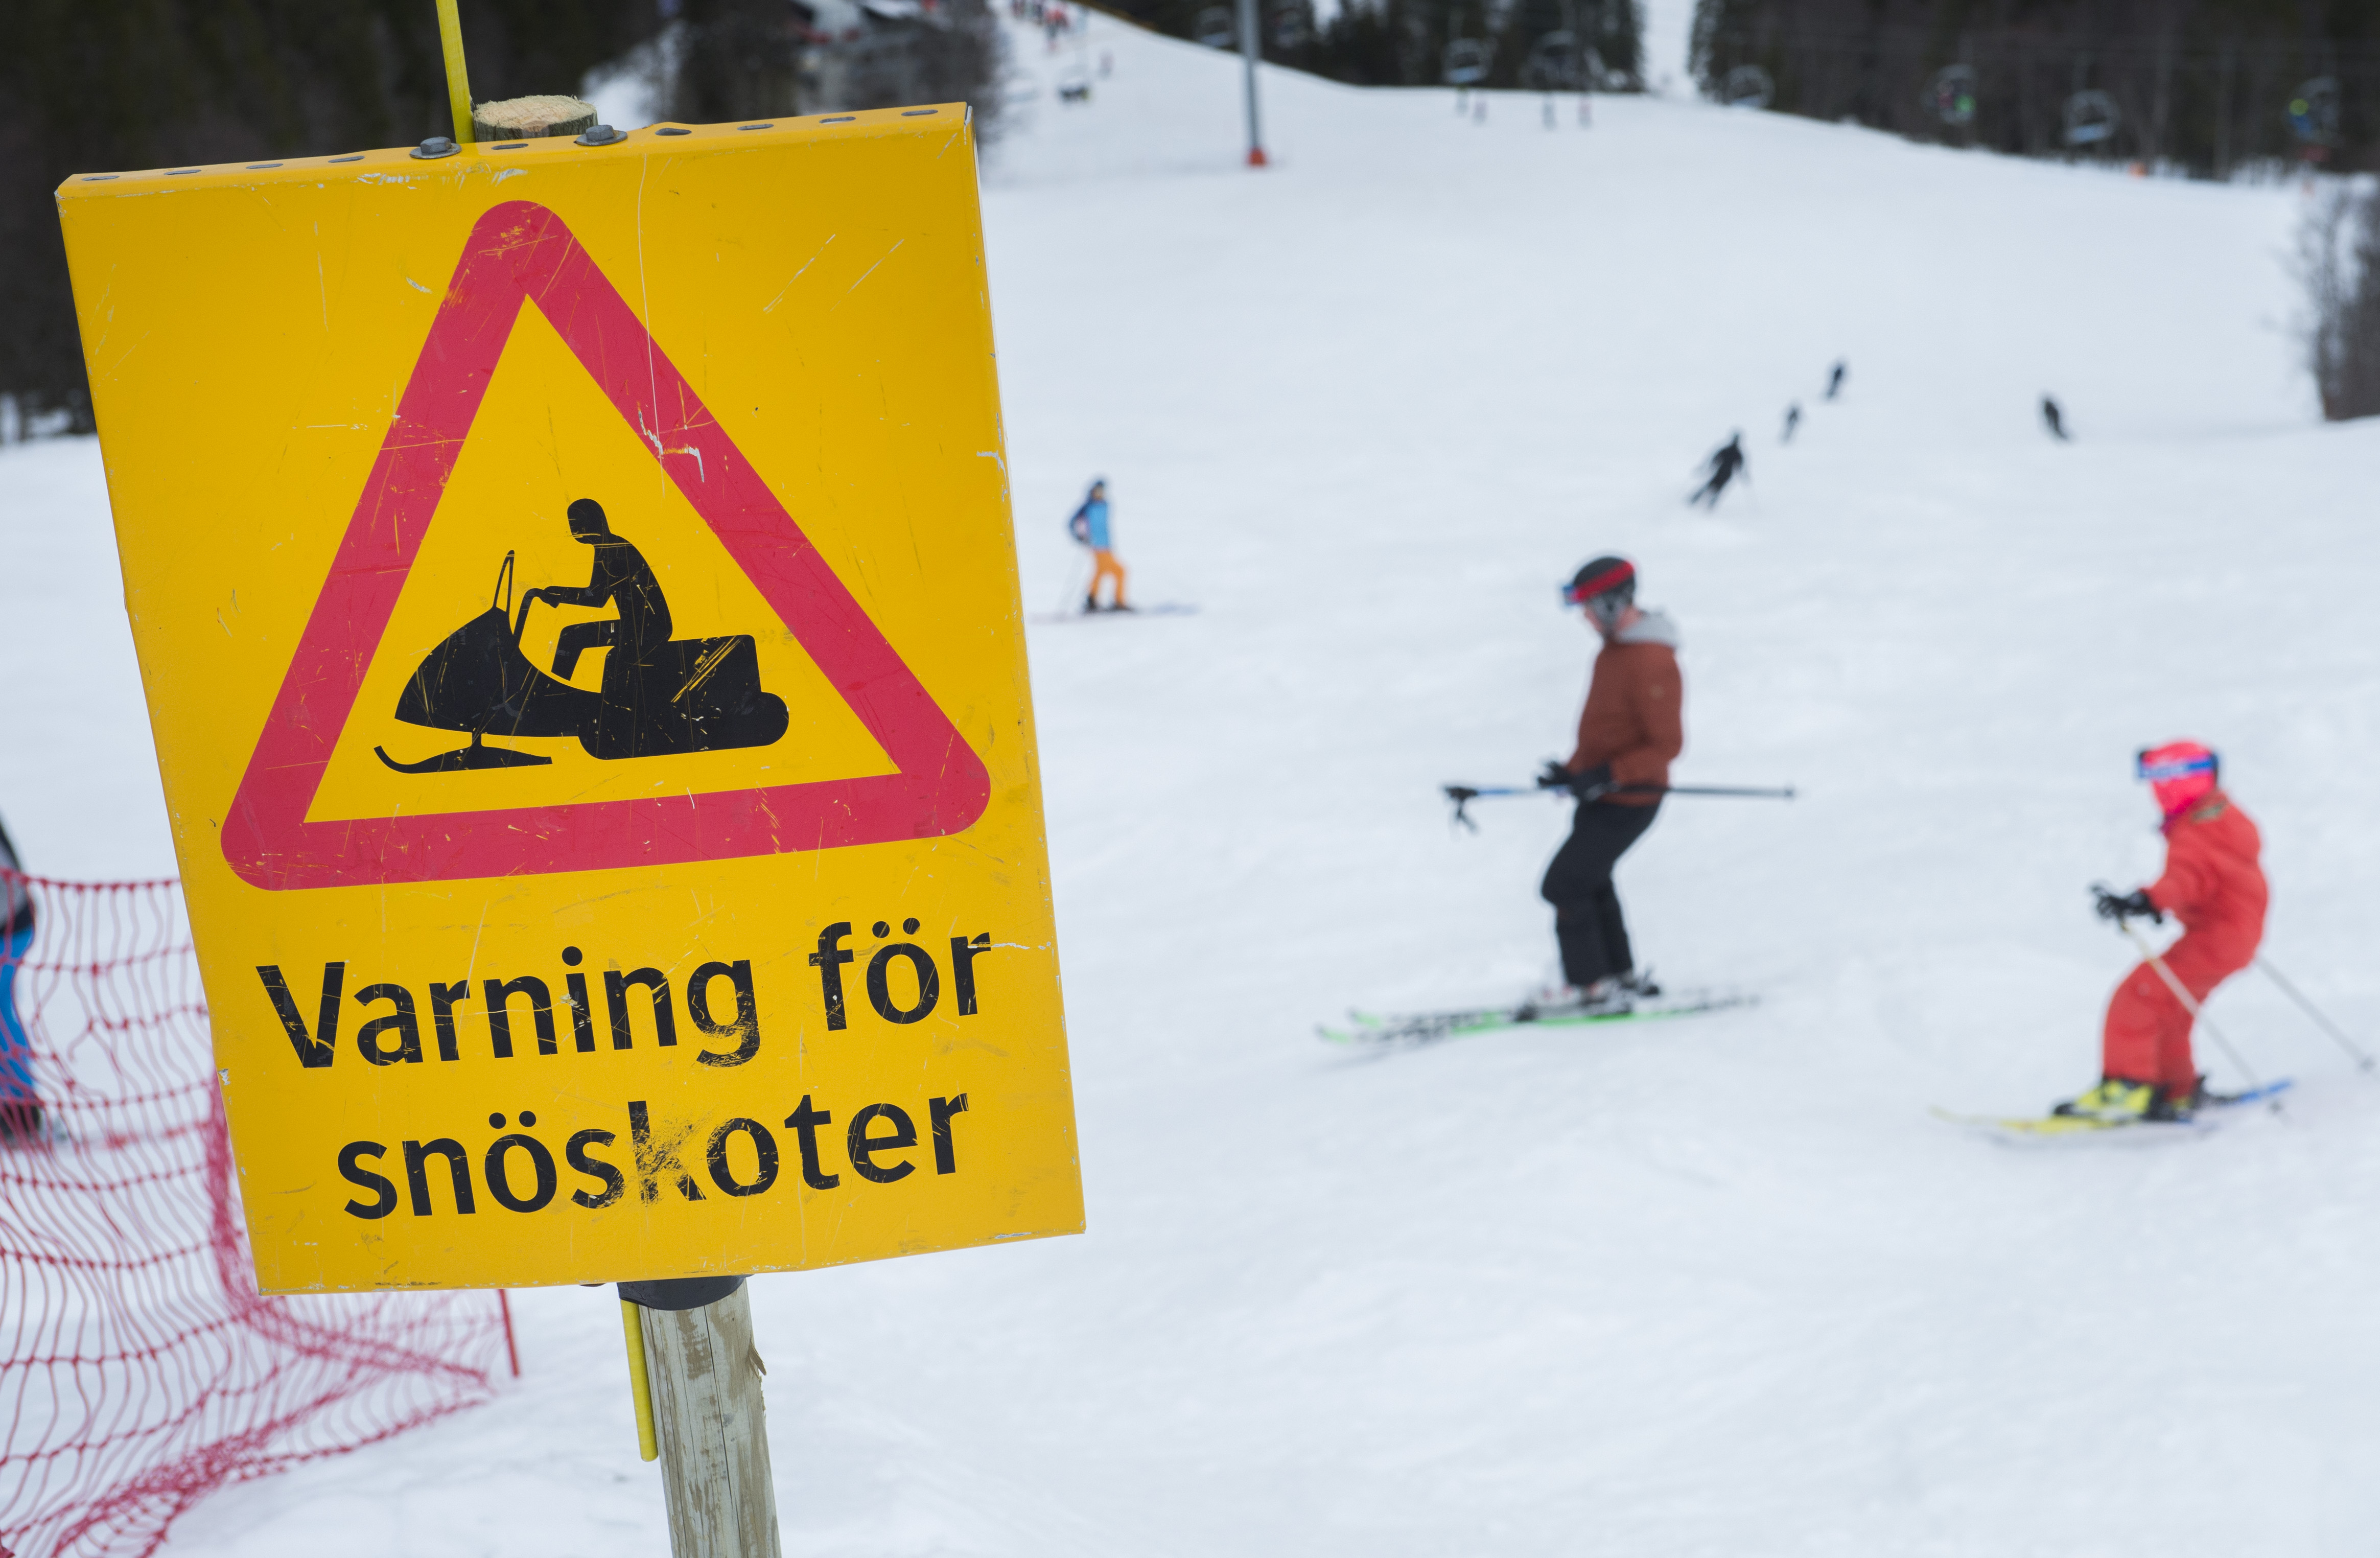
[{"x": 578, "y": 610}]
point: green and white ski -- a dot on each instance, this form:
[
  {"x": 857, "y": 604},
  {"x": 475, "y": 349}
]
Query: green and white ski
[{"x": 1423, "y": 1028}]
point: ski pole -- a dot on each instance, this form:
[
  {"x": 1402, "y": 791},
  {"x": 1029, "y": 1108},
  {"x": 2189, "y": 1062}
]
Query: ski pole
[
  {"x": 2364, "y": 1060},
  {"x": 1773, "y": 792},
  {"x": 1463, "y": 795},
  {"x": 2197, "y": 1012},
  {"x": 1765, "y": 792}
]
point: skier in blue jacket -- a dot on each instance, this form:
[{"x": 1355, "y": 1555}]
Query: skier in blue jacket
[{"x": 1090, "y": 527}]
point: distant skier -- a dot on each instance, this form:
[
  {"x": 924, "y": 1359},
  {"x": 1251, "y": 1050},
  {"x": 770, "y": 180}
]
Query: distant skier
[
  {"x": 1835, "y": 378},
  {"x": 2054, "y": 419},
  {"x": 21, "y": 1105},
  {"x": 1090, "y": 527},
  {"x": 2214, "y": 885},
  {"x": 1793, "y": 420},
  {"x": 1726, "y": 463},
  {"x": 1631, "y": 728}
]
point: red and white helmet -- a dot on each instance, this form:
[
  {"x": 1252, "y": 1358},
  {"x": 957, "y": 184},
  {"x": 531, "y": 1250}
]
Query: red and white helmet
[{"x": 1607, "y": 588}]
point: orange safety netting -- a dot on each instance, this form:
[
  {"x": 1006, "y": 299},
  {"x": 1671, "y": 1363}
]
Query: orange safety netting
[{"x": 139, "y": 1370}]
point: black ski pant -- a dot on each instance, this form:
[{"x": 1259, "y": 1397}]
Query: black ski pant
[{"x": 1587, "y": 922}]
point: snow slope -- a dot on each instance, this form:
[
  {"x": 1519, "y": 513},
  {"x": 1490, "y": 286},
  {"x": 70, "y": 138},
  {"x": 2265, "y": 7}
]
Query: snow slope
[{"x": 1712, "y": 1287}]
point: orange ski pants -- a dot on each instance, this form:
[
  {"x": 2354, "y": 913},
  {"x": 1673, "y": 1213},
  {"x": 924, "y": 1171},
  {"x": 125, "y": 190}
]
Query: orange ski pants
[
  {"x": 1104, "y": 565},
  {"x": 2147, "y": 1034}
]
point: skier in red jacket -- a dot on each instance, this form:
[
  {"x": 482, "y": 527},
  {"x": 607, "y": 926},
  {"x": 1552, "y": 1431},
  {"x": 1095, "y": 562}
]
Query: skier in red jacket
[
  {"x": 2212, "y": 884},
  {"x": 1628, "y": 733}
]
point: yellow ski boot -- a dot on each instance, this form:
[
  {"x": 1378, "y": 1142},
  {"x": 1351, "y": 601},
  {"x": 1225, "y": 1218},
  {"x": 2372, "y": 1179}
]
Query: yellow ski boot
[{"x": 2116, "y": 1101}]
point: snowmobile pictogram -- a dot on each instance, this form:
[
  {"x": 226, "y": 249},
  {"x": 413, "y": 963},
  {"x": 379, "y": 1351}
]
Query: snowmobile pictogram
[{"x": 660, "y": 695}]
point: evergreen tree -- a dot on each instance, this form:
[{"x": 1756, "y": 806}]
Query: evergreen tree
[
  {"x": 1403, "y": 43},
  {"x": 93, "y": 85},
  {"x": 2208, "y": 85},
  {"x": 741, "y": 59}
]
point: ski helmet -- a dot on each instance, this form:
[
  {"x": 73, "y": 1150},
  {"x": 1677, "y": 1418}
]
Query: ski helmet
[
  {"x": 2180, "y": 774},
  {"x": 1606, "y": 588}
]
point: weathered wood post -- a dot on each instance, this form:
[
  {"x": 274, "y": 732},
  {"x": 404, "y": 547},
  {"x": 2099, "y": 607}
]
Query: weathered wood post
[{"x": 704, "y": 1373}]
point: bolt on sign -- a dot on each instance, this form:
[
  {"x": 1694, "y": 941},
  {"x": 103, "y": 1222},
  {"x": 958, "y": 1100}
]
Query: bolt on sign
[{"x": 578, "y": 609}]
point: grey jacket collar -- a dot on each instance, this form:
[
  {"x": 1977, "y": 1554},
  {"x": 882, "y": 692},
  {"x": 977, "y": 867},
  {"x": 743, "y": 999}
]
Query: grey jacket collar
[{"x": 1652, "y": 627}]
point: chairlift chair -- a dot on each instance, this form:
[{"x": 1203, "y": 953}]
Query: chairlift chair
[
  {"x": 1216, "y": 28},
  {"x": 2091, "y": 117},
  {"x": 1952, "y": 94},
  {"x": 1552, "y": 65},
  {"x": 1748, "y": 86},
  {"x": 1465, "y": 63},
  {"x": 2314, "y": 112}
]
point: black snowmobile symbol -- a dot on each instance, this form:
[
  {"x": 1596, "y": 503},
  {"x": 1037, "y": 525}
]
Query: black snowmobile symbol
[{"x": 661, "y": 696}]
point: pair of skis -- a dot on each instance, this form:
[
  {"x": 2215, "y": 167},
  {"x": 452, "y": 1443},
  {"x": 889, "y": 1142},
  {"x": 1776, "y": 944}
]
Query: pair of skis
[
  {"x": 1427, "y": 1028},
  {"x": 2054, "y": 1127}
]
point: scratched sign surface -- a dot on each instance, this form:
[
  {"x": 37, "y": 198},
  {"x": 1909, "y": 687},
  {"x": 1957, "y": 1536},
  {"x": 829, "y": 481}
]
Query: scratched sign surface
[{"x": 578, "y": 609}]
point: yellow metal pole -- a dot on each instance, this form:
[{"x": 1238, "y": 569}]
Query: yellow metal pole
[
  {"x": 458, "y": 94},
  {"x": 639, "y": 1386}
]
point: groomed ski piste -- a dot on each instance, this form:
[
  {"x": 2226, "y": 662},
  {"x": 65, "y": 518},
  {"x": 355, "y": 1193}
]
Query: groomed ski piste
[{"x": 1721, "y": 1285}]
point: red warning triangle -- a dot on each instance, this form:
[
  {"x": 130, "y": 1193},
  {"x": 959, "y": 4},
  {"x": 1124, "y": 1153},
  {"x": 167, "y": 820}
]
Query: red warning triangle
[{"x": 518, "y": 251}]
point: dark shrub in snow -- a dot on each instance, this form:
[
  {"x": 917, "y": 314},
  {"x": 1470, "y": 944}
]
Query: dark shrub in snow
[{"x": 2339, "y": 262}]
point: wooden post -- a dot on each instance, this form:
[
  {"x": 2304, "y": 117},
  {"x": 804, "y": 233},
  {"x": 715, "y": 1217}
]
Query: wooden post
[
  {"x": 516, "y": 118},
  {"x": 531, "y": 118},
  {"x": 704, "y": 1373}
]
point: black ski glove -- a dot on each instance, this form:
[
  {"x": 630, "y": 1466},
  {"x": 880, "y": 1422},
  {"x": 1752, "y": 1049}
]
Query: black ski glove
[
  {"x": 1595, "y": 782},
  {"x": 2134, "y": 905}
]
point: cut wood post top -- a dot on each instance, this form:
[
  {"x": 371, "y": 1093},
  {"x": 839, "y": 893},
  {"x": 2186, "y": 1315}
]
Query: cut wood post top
[{"x": 531, "y": 118}]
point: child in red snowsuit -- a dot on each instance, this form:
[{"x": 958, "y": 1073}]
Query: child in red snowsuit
[{"x": 2214, "y": 885}]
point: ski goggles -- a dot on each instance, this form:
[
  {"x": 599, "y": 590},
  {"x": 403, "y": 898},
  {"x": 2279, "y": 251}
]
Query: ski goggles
[
  {"x": 2160, "y": 764},
  {"x": 1578, "y": 593}
]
